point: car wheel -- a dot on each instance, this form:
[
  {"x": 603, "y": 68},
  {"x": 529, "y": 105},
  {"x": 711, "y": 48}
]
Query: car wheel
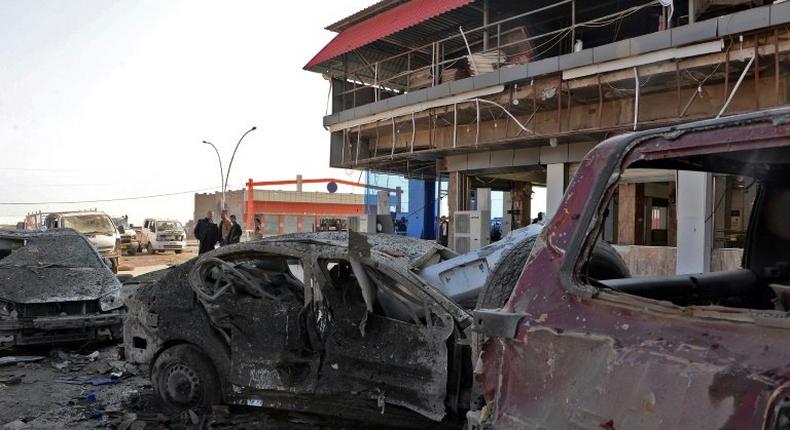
[
  {"x": 178, "y": 251},
  {"x": 150, "y": 248},
  {"x": 184, "y": 378},
  {"x": 131, "y": 251}
]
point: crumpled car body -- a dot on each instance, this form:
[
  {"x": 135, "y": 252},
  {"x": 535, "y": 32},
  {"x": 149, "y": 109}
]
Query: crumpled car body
[
  {"x": 566, "y": 353},
  {"x": 329, "y": 323},
  {"x": 55, "y": 288}
]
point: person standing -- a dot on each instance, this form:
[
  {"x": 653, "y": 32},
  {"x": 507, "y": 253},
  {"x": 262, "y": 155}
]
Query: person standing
[
  {"x": 235, "y": 231},
  {"x": 207, "y": 233},
  {"x": 443, "y": 230},
  {"x": 258, "y": 234},
  {"x": 224, "y": 228}
]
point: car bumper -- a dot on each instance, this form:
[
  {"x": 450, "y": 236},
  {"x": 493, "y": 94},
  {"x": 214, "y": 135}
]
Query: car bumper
[
  {"x": 58, "y": 329},
  {"x": 169, "y": 245},
  {"x": 112, "y": 253}
]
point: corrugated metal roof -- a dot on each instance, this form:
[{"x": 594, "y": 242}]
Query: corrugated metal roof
[
  {"x": 383, "y": 25},
  {"x": 364, "y": 14}
]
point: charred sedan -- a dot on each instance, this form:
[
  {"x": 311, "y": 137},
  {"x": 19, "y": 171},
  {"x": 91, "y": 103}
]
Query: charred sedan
[
  {"x": 54, "y": 287},
  {"x": 330, "y": 323}
]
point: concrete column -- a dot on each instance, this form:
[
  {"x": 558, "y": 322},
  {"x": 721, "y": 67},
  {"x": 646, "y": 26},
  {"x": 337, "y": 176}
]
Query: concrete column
[
  {"x": 484, "y": 199},
  {"x": 398, "y": 199},
  {"x": 630, "y": 214},
  {"x": 453, "y": 202},
  {"x": 556, "y": 175},
  {"x": 672, "y": 216},
  {"x": 694, "y": 233},
  {"x": 383, "y": 206},
  {"x": 522, "y": 197},
  {"x": 507, "y": 217},
  {"x": 692, "y": 11}
]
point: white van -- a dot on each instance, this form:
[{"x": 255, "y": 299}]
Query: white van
[{"x": 162, "y": 234}]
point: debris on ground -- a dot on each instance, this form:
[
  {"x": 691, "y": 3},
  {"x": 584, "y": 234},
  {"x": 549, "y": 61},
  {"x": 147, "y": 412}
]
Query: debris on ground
[
  {"x": 15, "y": 425},
  {"x": 4, "y": 361}
]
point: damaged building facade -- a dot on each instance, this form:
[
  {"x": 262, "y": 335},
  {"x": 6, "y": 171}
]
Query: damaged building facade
[{"x": 494, "y": 95}]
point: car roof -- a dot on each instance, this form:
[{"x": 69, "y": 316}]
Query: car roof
[{"x": 405, "y": 250}]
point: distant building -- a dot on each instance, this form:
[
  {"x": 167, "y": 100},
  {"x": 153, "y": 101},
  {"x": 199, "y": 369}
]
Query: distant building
[{"x": 282, "y": 212}]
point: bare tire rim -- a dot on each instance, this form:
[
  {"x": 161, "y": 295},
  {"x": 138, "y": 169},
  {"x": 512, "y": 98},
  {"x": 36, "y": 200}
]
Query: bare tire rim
[{"x": 182, "y": 385}]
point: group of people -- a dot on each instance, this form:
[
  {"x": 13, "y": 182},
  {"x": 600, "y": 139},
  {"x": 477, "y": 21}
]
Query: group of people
[{"x": 209, "y": 234}]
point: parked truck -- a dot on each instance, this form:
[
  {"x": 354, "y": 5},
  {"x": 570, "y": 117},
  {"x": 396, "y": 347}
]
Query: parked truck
[
  {"x": 129, "y": 242},
  {"x": 162, "y": 234}
]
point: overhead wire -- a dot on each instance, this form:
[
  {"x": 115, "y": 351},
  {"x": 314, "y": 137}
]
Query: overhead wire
[{"x": 117, "y": 199}]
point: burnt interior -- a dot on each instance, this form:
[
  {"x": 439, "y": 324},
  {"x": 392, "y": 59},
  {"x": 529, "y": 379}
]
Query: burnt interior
[
  {"x": 319, "y": 336},
  {"x": 763, "y": 282}
]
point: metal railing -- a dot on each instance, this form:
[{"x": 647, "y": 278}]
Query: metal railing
[{"x": 389, "y": 76}]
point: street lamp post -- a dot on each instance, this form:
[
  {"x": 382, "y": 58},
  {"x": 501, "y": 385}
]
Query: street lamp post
[
  {"x": 225, "y": 175},
  {"x": 221, "y": 174}
]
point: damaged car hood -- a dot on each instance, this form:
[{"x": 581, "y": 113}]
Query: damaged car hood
[{"x": 52, "y": 266}]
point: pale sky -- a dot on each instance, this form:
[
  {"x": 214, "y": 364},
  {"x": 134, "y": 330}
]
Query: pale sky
[{"x": 106, "y": 99}]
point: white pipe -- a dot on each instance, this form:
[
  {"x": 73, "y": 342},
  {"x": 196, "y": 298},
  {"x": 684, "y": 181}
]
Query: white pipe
[
  {"x": 413, "y": 131},
  {"x": 477, "y": 131},
  {"x": 506, "y": 112},
  {"x": 466, "y": 42},
  {"x": 636, "y": 98},
  {"x": 735, "y": 88}
]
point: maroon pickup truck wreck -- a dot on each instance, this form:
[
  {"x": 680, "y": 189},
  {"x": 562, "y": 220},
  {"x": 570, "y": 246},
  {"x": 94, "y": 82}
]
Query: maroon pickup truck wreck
[{"x": 705, "y": 351}]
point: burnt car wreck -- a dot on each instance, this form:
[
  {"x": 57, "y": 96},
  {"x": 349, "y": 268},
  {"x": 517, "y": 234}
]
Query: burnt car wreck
[
  {"x": 701, "y": 351},
  {"x": 324, "y": 322},
  {"x": 54, "y": 288},
  {"x": 373, "y": 328}
]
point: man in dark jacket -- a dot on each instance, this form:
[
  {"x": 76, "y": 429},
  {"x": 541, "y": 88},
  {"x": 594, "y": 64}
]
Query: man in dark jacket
[
  {"x": 207, "y": 233},
  {"x": 235, "y": 231}
]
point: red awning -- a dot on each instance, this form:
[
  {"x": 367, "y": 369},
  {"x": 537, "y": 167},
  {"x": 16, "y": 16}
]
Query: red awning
[{"x": 382, "y": 25}]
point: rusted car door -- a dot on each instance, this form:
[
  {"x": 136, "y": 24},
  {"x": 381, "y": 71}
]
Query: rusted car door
[
  {"x": 269, "y": 347},
  {"x": 392, "y": 356}
]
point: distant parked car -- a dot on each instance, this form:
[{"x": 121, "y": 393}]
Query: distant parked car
[
  {"x": 55, "y": 287},
  {"x": 97, "y": 226},
  {"x": 129, "y": 242},
  {"x": 162, "y": 234}
]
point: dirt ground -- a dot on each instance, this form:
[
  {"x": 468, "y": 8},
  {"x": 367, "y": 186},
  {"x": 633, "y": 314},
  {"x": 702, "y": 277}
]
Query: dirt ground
[
  {"x": 90, "y": 387},
  {"x": 142, "y": 260}
]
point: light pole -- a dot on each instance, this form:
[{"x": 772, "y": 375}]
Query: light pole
[
  {"x": 221, "y": 174},
  {"x": 225, "y": 175}
]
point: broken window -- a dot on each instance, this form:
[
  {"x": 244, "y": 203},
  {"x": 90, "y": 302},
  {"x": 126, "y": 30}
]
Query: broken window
[
  {"x": 721, "y": 225},
  {"x": 268, "y": 276},
  {"x": 89, "y": 224},
  {"x": 49, "y": 251},
  {"x": 168, "y": 225},
  {"x": 391, "y": 298}
]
